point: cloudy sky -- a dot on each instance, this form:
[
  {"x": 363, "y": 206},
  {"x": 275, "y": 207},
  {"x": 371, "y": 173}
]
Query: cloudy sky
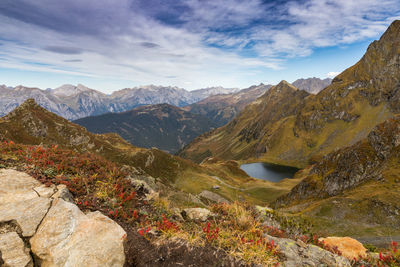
[{"x": 113, "y": 44}]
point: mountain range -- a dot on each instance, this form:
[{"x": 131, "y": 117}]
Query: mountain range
[
  {"x": 74, "y": 102},
  {"x": 221, "y": 109}
]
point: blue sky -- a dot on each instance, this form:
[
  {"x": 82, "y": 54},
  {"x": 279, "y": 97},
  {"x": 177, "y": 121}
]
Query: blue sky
[{"x": 114, "y": 44}]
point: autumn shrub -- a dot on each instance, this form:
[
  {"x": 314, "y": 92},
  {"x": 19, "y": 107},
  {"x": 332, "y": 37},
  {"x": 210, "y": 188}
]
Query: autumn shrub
[{"x": 95, "y": 182}]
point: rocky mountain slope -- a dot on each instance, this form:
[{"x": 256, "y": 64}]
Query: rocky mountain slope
[
  {"x": 74, "y": 102},
  {"x": 222, "y": 108},
  {"x": 166, "y": 127},
  {"x": 251, "y": 124},
  {"x": 312, "y": 85},
  {"x": 355, "y": 188},
  {"x": 340, "y": 115}
]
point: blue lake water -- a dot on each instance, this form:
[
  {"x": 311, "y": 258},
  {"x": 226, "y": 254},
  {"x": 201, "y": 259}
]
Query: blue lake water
[{"x": 268, "y": 171}]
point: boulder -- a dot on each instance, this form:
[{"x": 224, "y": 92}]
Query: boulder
[
  {"x": 301, "y": 254},
  {"x": 27, "y": 213},
  {"x": 68, "y": 237},
  {"x": 13, "y": 251},
  {"x": 349, "y": 247},
  {"x": 141, "y": 185},
  {"x": 16, "y": 186},
  {"x": 62, "y": 235},
  {"x": 197, "y": 214},
  {"x": 210, "y": 198}
]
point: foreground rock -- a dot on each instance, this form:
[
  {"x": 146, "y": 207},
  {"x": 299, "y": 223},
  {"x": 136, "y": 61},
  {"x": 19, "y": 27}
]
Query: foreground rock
[
  {"x": 28, "y": 213},
  {"x": 349, "y": 247},
  {"x": 13, "y": 251},
  {"x": 197, "y": 214},
  {"x": 58, "y": 232},
  {"x": 297, "y": 253},
  {"x": 20, "y": 202},
  {"x": 68, "y": 237}
]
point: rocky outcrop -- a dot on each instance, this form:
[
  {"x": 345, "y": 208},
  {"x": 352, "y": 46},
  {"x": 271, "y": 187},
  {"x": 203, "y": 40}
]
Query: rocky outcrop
[
  {"x": 351, "y": 166},
  {"x": 297, "y": 253},
  {"x": 348, "y": 247},
  {"x": 68, "y": 237},
  {"x": 43, "y": 222}
]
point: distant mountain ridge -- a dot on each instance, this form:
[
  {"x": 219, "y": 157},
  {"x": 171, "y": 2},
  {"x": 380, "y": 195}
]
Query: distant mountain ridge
[
  {"x": 164, "y": 126},
  {"x": 222, "y": 108},
  {"x": 312, "y": 85},
  {"x": 74, "y": 102}
]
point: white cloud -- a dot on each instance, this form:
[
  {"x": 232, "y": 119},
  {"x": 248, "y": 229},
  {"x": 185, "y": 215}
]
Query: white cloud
[{"x": 332, "y": 74}]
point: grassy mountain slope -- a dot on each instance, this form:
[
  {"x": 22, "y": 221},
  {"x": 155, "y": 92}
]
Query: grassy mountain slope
[
  {"x": 31, "y": 124},
  {"x": 340, "y": 115},
  {"x": 163, "y": 126},
  {"x": 222, "y": 108},
  {"x": 239, "y": 138},
  {"x": 354, "y": 190}
]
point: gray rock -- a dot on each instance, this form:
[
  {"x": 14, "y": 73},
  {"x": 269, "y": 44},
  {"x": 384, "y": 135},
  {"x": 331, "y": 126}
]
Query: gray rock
[
  {"x": 142, "y": 185},
  {"x": 297, "y": 253},
  {"x": 197, "y": 214}
]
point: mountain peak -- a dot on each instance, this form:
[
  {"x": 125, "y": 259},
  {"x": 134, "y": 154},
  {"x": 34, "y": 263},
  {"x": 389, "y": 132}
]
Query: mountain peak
[
  {"x": 283, "y": 86},
  {"x": 29, "y": 103},
  {"x": 70, "y": 90},
  {"x": 381, "y": 58},
  {"x": 392, "y": 31}
]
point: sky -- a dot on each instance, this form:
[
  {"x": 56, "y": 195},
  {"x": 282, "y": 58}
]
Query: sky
[{"x": 114, "y": 44}]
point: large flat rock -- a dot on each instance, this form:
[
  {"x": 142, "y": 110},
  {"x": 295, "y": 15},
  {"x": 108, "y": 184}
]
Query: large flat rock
[
  {"x": 68, "y": 237},
  {"x": 27, "y": 213},
  {"x": 16, "y": 186}
]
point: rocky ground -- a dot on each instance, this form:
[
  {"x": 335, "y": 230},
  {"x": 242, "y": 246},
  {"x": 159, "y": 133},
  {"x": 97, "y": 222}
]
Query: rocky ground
[{"x": 41, "y": 226}]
